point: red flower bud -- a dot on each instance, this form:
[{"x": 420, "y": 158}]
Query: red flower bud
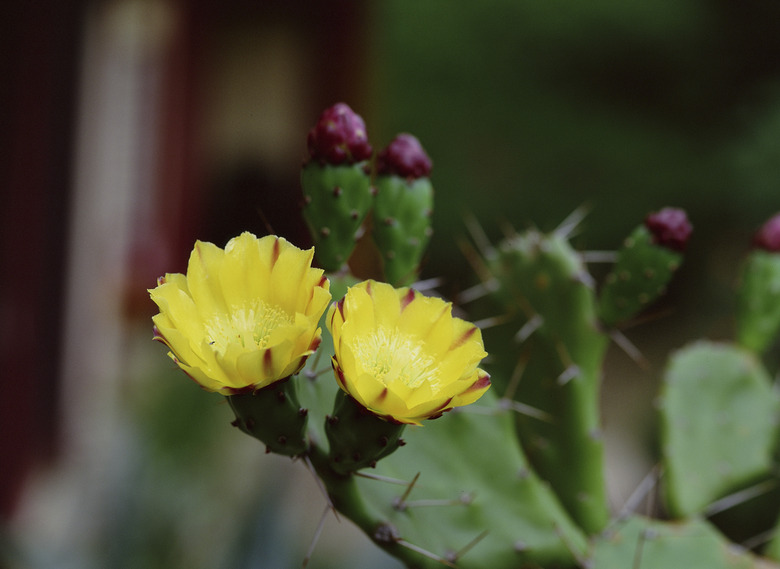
[
  {"x": 404, "y": 157},
  {"x": 768, "y": 237},
  {"x": 339, "y": 137},
  {"x": 670, "y": 228}
]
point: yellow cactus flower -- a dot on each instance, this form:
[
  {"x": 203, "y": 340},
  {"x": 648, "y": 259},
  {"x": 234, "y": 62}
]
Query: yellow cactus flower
[
  {"x": 243, "y": 317},
  {"x": 403, "y": 355}
]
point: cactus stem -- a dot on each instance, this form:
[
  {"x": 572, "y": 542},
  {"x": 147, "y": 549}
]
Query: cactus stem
[
  {"x": 737, "y": 498},
  {"x": 316, "y": 537},
  {"x": 622, "y": 342},
  {"x": 455, "y": 555},
  {"x": 425, "y": 552},
  {"x": 531, "y": 326}
]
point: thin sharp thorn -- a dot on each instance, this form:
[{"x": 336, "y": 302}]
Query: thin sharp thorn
[
  {"x": 598, "y": 256},
  {"x": 527, "y": 410},
  {"x": 517, "y": 374},
  {"x": 315, "y": 361},
  {"x": 428, "y": 284},
  {"x": 508, "y": 230},
  {"x": 316, "y": 537},
  {"x": 739, "y": 497},
  {"x": 568, "y": 374},
  {"x": 629, "y": 348},
  {"x": 465, "y": 499},
  {"x": 644, "y": 487},
  {"x": 760, "y": 539},
  {"x": 320, "y": 485},
  {"x": 401, "y": 502},
  {"x": 425, "y": 553},
  {"x": 379, "y": 478},
  {"x": 641, "y": 538},
  {"x": 478, "y": 291},
  {"x": 268, "y": 227},
  {"x": 492, "y": 321},
  {"x": 469, "y": 546},
  {"x": 586, "y": 279},
  {"x": 529, "y": 328},
  {"x": 570, "y": 547},
  {"x": 568, "y": 225},
  {"x": 478, "y": 235},
  {"x": 477, "y": 263},
  {"x": 475, "y": 410}
]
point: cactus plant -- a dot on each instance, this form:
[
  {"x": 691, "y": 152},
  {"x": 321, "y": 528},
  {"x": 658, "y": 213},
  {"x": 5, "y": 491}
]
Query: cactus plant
[{"x": 438, "y": 462}]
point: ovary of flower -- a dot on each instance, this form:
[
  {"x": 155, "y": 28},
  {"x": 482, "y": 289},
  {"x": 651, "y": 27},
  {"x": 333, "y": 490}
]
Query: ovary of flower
[
  {"x": 244, "y": 317},
  {"x": 402, "y": 355}
]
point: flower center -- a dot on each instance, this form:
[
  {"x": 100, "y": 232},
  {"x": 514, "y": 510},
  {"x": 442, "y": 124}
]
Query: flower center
[
  {"x": 249, "y": 325},
  {"x": 392, "y": 357}
]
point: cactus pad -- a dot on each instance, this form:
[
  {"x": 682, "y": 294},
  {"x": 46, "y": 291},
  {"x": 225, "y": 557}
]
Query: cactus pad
[
  {"x": 719, "y": 418},
  {"x": 640, "y": 543},
  {"x": 758, "y": 301},
  {"x": 640, "y": 275},
  {"x": 336, "y": 201}
]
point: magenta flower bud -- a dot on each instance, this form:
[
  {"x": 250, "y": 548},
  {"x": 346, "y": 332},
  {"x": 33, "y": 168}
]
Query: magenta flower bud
[
  {"x": 768, "y": 237},
  {"x": 404, "y": 157},
  {"x": 339, "y": 137},
  {"x": 670, "y": 228}
]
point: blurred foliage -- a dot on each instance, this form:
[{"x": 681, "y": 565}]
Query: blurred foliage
[{"x": 531, "y": 109}]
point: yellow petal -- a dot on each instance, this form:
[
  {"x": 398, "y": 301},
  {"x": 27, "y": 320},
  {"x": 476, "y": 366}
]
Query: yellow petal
[{"x": 243, "y": 317}]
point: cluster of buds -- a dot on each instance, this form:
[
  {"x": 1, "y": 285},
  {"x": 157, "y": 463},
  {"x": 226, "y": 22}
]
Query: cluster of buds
[{"x": 339, "y": 192}]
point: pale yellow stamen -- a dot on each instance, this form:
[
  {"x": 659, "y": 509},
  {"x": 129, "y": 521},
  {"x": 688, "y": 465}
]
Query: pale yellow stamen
[
  {"x": 391, "y": 357},
  {"x": 250, "y": 325}
]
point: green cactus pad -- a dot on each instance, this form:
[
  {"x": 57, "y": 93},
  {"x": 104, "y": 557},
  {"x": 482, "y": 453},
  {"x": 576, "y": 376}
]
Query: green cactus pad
[
  {"x": 474, "y": 487},
  {"x": 402, "y": 225},
  {"x": 336, "y": 201},
  {"x": 542, "y": 277},
  {"x": 758, "y": 301},
  {"x": 719, "y": 418},
  {"x": 640, "y": 543},
  {"x": 274, "y": 416},
  {"x": 469, "y": 458},
  {"x": 640, "y": 275}
]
